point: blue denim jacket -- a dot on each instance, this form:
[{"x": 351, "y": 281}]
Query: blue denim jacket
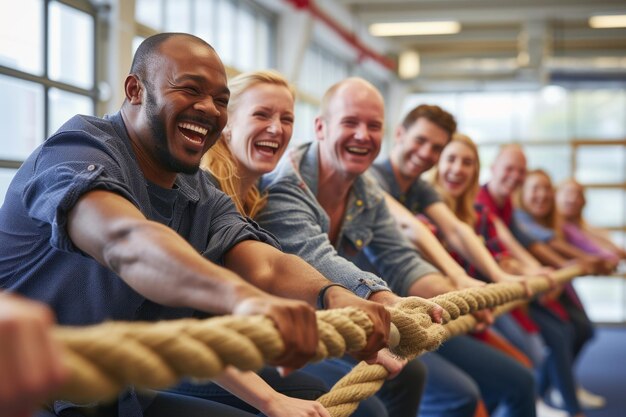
[{"x": 369, "y": 239}]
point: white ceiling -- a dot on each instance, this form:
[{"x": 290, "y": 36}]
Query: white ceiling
[{"x": 560, "y": 45}]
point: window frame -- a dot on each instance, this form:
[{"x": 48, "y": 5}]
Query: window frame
[{"x": 44, "y": 79}]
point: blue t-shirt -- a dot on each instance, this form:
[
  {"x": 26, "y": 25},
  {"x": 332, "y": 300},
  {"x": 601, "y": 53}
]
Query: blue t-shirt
[
  {"x": 416, "y": 199},
  {"x": 37, "y": 257},
  {"x": 533, "y": 229}
]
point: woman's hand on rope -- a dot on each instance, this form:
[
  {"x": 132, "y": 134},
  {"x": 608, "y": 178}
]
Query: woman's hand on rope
[
  {"x": 30, "y": 360},
  {"x": 296, "y": 322},
  {"x": 378, "y": 314},
  {"x": 394, "y": 364},
  {"x": 284, "y": 406}
]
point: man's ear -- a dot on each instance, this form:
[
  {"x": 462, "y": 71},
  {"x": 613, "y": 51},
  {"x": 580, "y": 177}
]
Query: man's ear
[
  {"x": 319, "y": 127},
  {"x": 133, "y": 89},
  {"x": 226, "y": 133},
  {"x": 400, "y": 131}
]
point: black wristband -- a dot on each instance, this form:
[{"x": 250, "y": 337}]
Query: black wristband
[{"x": 322, "y": 294}]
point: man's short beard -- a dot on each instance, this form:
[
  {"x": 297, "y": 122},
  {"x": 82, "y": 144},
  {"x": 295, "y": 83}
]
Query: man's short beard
[{"x": 159, "y": 133}]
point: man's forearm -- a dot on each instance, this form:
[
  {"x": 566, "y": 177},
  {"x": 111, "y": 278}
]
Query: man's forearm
[
  {"x": 547, "y": 255},
  {"x": 431, "y": 285},
  {"x": 299, "y": 279},
  {"x": 150, "y": 257}
]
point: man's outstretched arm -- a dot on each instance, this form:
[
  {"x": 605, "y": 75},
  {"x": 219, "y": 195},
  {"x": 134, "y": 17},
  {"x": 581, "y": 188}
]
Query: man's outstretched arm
[{"x": 159, "y": 264}]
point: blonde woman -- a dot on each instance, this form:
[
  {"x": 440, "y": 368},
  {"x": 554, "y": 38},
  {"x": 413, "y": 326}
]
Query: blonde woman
[
  {"x": 456, "y": 178},
  {"x": 536, "y": 213},
  {"x": 260, "y": 125},
  {"x": 570, "y": 202}
]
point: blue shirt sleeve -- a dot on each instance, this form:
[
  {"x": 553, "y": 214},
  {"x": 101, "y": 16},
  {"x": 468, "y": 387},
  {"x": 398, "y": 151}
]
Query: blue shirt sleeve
[
  {"x": 61, "y": 174},
  {"x": 394, "y": 258},
  {"x": 533, "y": 229},
  {"x": 228, "y": 228}
]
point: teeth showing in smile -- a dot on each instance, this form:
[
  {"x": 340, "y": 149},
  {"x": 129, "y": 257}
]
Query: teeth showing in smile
[
  {"x": 267, "y": 144},
  {"x": 199, "y": 130},
  {"x": 360, "y": 151},
  {"x": 454, "y": 180}
]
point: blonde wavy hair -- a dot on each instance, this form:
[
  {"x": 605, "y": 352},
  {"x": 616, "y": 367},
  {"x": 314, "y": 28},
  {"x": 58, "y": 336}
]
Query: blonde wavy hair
[
  {"x": 463, "y": 206},
  {"x": 220, "y": 161}
]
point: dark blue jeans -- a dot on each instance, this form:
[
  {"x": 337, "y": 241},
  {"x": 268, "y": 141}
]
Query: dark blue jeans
[
  {"x": 582, "y": 326},
  {"x": 154, "y": 404},
  {"x": 297, "y": 384},
  {"x": 397, "y": 397},
  {"x": 464, "y": 369},
  {"x": 557, "y": 369}
]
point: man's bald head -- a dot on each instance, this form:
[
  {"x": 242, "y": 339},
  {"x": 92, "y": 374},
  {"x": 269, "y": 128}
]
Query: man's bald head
[
  {"x": 348, "y": 86},
  {"x": 147, "y": 53},
  {"x": 512, "y": 150},
  {"x": 350, "y": 128},
  {"x": 508, "y": 171}
]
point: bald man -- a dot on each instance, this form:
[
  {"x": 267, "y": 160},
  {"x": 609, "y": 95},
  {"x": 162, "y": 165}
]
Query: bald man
[{"x": 323, "y": 207}]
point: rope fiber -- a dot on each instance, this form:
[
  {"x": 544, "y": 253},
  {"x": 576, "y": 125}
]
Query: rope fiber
[{"x": 105, "y": 358}]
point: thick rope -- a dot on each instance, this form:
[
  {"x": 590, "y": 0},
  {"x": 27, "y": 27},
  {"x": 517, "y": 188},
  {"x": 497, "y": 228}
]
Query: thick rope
[
  {"x": 106, "y": 358},
  {"x": 341, "y": 401}
]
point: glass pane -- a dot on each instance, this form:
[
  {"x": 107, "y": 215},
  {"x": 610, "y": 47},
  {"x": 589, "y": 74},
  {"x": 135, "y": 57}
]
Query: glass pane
[
  {"x": 21, "y": 117},
  {"x": 555, "y": 160},
  {"x": 245, "y": 40},
  {"x": 21, "y": 35},
  {"x": 225, "y": 44},
  {"x": 6, "y": 175},
  {"x": 177, "y": 16},
  {"x": 605, "y": 207},
  {"x": 308, "y": 76},
  {"x": 71, "y": 44},
  {"x": 619, "y": 238},
  {"x": 599, "y": 114},
  {"x": 150, "y": 13},
  {"x": 541, "y": 116},
  {"x": 204, "y": 20},
  {"x": 601, "y": 164},
  {"x": 487, "y": 116},
  {"x": 487, "y": 154},
  {"x": 448, "y": 102},
  {"x": 603, "y": 298},
  {"x": 264, "y": 42},
  {"x": 63, "y": 105},
  {"x": 304, "y": 127},
  {"x": 136, "y": 42}
]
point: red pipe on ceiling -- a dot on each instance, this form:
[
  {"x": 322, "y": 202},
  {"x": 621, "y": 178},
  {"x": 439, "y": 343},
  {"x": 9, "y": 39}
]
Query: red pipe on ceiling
[{"x": 348, "y": 36}]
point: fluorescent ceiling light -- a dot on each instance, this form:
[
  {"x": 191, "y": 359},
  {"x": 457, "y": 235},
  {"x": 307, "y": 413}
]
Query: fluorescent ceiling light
[
  {"x": 608, "y": 21},
  {"x": 414, "y": 28},
  {"x": 409, "y": 65}
]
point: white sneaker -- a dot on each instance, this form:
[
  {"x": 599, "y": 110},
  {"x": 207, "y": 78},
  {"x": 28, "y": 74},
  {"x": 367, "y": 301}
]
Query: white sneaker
[
  {"x": 544, "y": 410},
  {"x": 555, "y": 398},
  {"x": 589, "y": 400}
]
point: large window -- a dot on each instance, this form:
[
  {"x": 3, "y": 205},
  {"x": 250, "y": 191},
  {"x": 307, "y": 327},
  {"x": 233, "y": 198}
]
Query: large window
[
  {"x": 578, "y": 133},
  {"x": 47, "y": 67},
  {"x": 239, "y": 30},
  {"x": 321, "y": 69}
]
